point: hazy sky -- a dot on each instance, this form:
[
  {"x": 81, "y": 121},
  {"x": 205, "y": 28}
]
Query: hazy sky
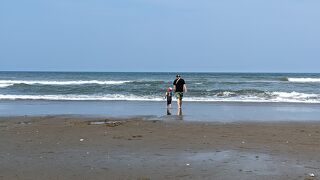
[{"x": 160, "y": 35}]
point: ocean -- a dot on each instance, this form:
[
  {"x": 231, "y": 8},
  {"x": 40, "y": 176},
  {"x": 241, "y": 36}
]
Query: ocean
[
  {"x": 127, "y": 86},
  {"x": 221, "y": 97}
]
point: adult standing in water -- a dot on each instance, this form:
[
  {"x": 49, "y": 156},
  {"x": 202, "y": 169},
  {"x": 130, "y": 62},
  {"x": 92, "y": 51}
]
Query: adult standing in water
[{"x": 179, "y": 87}]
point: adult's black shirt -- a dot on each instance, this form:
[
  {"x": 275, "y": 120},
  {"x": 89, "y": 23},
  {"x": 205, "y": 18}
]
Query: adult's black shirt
[{"x": 179, "y": 83}]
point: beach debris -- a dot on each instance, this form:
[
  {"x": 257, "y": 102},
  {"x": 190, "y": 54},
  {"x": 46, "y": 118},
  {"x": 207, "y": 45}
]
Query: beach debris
[
  {"x": 24, "y": 123},
  {"x": 106, "y": 122},
  {"x": 97, "y": 122},
  {"x": 243, "y": 142},
  {"x": 137, "y": 136},
  {"x": 113, "y": 123},
  {"x": 287, "y": 142},
  {"x": 81, "y": 140},
  {"x": 311, "y": 175},
  {"x": 187, "y": 164}
]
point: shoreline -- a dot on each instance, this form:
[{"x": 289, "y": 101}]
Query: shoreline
[
  {"x": 174, "y": 100},
  {"x": 194, "y": 111},
  {"x": 68, "y": 147}
]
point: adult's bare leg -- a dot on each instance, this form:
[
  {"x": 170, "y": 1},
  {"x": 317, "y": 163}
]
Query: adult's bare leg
[{"x": 179, "y": 103}]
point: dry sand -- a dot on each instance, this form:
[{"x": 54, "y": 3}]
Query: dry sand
[{"x": 56, "y": 147}]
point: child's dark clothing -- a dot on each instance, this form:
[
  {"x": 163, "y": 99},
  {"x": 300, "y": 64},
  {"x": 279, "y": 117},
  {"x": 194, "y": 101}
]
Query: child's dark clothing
[{"x": 169, "y": 97}]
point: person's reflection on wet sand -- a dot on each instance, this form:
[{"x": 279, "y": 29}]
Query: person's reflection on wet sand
[
  {"x": 179, "y": 114},
  {"x": 168, "y": 112}
]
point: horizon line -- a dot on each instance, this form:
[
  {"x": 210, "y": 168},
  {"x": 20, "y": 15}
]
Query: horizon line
[{"x": 85, "y": 71}]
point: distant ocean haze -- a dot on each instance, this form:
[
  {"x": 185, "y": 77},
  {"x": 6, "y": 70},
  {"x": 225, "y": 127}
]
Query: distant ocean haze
[{"x": 202, "y": 87}]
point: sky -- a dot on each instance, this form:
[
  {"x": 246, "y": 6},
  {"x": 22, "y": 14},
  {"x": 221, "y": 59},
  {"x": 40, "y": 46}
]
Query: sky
[{"x": 160, "y": 35}]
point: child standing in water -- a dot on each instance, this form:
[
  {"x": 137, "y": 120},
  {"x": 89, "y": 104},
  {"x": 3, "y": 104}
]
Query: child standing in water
[{"x": 169, "y": 97}]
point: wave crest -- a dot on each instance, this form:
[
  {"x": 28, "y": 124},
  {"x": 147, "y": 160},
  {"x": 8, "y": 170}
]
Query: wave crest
[
  {"x": 6, "y": 83},
  {"x": 74, "y": 97},
  {"x": 304, "y": 80},
  {"x": 288, "y": 97}
]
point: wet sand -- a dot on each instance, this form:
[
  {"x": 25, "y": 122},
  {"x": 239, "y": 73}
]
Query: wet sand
[{"x": 57, "y": 147}]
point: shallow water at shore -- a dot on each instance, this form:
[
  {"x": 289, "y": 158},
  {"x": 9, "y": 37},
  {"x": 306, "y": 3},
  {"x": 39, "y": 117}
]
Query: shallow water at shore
[{"x": 192, "y": 111}]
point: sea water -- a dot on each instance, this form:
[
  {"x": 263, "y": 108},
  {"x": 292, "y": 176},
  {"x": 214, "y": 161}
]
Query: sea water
[{"x": 132, "y": 93}]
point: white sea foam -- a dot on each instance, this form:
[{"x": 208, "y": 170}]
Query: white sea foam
[
  {"x": 73, "y": 97},
  {"x": 295, "y": 95},
  {"x": 304, "y": 80},
  {"x": 289, "y": 97},
  {"x": 6, "y": 83}
]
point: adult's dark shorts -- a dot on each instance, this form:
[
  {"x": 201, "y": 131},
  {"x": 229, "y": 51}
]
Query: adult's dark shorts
[{"x": 179, "y": 95}]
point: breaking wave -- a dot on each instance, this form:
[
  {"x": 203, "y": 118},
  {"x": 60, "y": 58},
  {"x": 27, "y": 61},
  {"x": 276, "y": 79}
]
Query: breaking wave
[
  {"x": 304, "y": 80},
  {"x": 290, "y": 97},
  {"x": 6, "y": 83}
]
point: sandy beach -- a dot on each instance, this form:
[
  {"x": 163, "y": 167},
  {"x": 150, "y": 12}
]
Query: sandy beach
[{"x": 61, "y": 147}]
